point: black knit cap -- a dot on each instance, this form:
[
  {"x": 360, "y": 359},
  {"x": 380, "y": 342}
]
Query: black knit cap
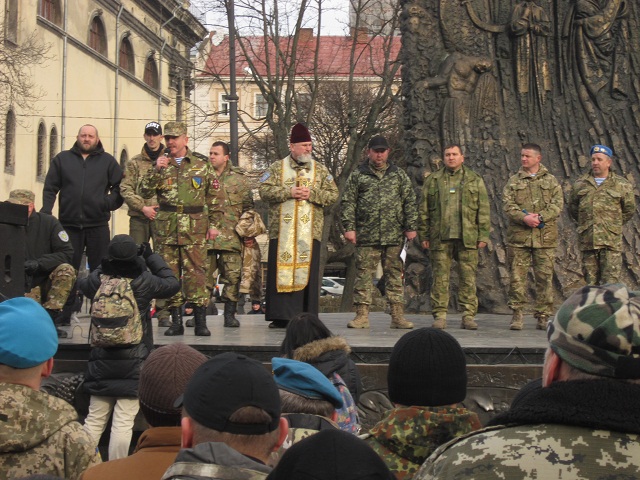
[
  {"x": 329, "y": 455},
  {"x": 427, "y": 368},
  {"x": 122, "y": 249}
]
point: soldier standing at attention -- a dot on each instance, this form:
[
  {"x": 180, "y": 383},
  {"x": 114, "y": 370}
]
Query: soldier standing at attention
[
  {"x": 532, "y": 200},
  {"x": 378, "y": 212},
  {"x": 183, "y": 183},
  {"x": 454, "y": 224},
  {"x": 233, "y": 197},
  {"x": 601, "y": 203}
]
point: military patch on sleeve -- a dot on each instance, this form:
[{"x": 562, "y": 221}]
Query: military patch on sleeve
[
  {"x": 265, "y": 176},
  {"x": 196, "y": 182},
  {"x": 64, "y": 236},
  {"x": 329, "y": 178}
]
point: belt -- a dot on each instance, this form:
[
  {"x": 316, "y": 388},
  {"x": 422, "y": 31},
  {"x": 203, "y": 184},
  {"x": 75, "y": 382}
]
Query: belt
[{"x": 180, "y": 208}]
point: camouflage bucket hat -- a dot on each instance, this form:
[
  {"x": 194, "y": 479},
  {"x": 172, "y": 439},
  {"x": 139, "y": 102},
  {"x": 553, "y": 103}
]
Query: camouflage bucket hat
[
  {"x": 597, "y": 331},
  {"x": 175, "y": 129}
]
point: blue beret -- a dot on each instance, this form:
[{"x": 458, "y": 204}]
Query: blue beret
[
  {"x": 27, "y": 334},
  {"x": 601, "y": 149},
  {"x": 305, "y": 380}
]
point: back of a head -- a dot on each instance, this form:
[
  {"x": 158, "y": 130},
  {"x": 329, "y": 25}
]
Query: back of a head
[
  {"x": 302, "y": 329},
  {"x": 597, "y": 331},
  {"x": 328, "y": 455},
  {"x": 427, "y": 368},
  {"x": 163, "y": 378}
]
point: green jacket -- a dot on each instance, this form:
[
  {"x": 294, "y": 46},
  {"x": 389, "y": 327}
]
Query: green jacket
[
  {"x": 188, "y": 185},
  {"x": 233, "y": 197},
  {"x": 601, "y": 211},
  {"x": 323, "y": 193},
  {"x": 476, "y": 221},
  {"x": 379, "y": 210},
  {"x": 134, "y": 171},
  {"x": 540, "y": 194}
]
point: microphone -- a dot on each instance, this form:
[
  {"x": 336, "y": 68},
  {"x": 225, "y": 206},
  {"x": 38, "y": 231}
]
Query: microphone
[{"x": 166, "y": 153}]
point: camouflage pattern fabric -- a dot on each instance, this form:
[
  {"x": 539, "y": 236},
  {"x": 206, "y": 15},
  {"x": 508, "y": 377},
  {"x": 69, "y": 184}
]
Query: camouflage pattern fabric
[
  {"x": 251, "y": 275},
  {"x": 134, "y": 171},
  {"x": 406, "y": 436},
  {"x": 379, "y": 209},
  {"x": 188, "y": 263},
  {"x": 597, "y": 331},
  {"x": 367, "y": 259},
  {"x": 601, "y": 266},
  {"x": 441, "y": 259},
  {"x": 229, "y": 266},
  {"x": 56, "y": 288},
  {"x": 520, "y": 260},
  {"x": 475, "y": 210},
  {"x": 324, "y": 192},
  {"x": 40, "y": 434},
  {"x": 115, "y": 318}
]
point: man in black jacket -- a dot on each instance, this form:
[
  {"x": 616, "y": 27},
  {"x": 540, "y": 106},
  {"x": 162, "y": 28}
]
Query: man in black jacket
[{"x": 49, "y": 277}]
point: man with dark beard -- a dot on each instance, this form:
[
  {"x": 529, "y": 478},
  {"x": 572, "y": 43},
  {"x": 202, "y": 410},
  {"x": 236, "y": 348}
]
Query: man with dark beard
[{"x": 297, "y": 188}]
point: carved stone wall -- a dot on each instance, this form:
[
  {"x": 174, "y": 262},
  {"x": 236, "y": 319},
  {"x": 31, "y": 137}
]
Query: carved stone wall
[{"x": 493, "y": 74}]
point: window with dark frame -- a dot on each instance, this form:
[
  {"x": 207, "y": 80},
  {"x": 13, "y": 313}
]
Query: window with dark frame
[
  {"x": 126, "y": 60},
  {"x": 97, "y": 36},
  {"x": 42, "y": 141},
  {"x": 10, "y": 143},
  {"x": 150, "y": 72}
]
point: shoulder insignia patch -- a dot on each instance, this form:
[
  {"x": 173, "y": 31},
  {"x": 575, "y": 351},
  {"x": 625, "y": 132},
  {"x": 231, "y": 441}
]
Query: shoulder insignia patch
[
  {"x": 265, "y": 176},
  {"x": 64, "y": 236}
]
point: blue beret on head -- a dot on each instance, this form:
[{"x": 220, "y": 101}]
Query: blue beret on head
[
  {"x": 601, "y": 149},
  {"x": 305, "y": 380},
  {"x": 27, "y": 334}
]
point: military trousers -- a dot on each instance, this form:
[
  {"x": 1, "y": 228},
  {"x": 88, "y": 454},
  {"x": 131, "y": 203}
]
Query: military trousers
[
  {"x": 520, "y": 259},
  {"x": 55, "y": 290},
  {"x": 188, "y": 264},
  {"x": 367, "y": 258},
  {"x": 141, "y": 229},
  {"x": 229, "y": 266},
  {"x": 441, "y": 260},
  {"x": 601, "y": 266}
]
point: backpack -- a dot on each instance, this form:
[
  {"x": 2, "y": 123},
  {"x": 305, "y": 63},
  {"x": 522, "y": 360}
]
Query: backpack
[
  {"x": 115, "y": 318},
  {"x": 347, "y": 414}
]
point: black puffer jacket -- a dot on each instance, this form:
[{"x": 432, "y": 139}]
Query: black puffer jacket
[
  {"x": 332, "y": 355},
  {"x": 114, "y": 372}
]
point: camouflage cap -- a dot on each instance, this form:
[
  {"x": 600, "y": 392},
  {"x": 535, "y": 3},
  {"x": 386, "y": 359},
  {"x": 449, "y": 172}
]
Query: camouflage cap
[
  {"x": 22, "y": 197},
  {"x": 597, "y": 331},
  {"x": 175, "y": 129}
]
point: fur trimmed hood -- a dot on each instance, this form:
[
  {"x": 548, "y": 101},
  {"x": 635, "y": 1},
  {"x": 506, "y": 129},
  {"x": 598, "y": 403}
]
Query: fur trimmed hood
[{"x": 311, "y": 351}]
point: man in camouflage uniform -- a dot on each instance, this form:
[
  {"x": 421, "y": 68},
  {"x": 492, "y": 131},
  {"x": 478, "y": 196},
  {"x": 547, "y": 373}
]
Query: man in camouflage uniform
[
  {"x": 297, "y": 188},
  {"x": 532, "y": 200},
  {"x": 49, "y": 276},
  {"x": 182, "y": 182},
  {"x": 231, "y": 421},
  {"x": 584, "y": 422},
  {"x": 233, "y": 197},
  {"x": 142, "y": 211},
  {"x": 454, "y": 224},
  {"x": 40, "y": 433},
  {"x": 378, "y": 213},
  {"x": 601, "y": 203}
]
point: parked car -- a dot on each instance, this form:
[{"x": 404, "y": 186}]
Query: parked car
[{"x": 332, "y": 285}]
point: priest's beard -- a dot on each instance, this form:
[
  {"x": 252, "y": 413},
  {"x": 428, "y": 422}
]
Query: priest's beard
[{"x": 304, "y": 158}]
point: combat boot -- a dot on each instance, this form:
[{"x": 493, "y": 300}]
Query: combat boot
[
  {"x": 517, "y": 321},
  {"x": 543, "y": 320},
  {"x": 230, "y": 319},
  {"x": 54, "y": 314},
  {"x": 362, "y": 317},
  {"x": 200, "y": 317},
  {"x": 440, "y": 322},
  {"x": 176, "y": 327},
  {"x": 397, "y": 317},
  {"x": 469, "y": 323},
  {"x": 190, "y": 322}
]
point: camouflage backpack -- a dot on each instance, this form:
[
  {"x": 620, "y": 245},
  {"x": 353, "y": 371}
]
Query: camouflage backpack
[{"x": 115, "y": 318}]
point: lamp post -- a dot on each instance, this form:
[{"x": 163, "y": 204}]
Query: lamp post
[{"x": 232, "y": 97}]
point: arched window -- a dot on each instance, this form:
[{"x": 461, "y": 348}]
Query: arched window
[
  {"x": 124, "y": 158},
  {"x": 53, "y": 143},
  {"x": 42, "y": 142},
  {"x": 97, "y": 36},
  {"x": 126, "y": 56},
  {"x": 50, "y": 9},
  {"x": 150, "y": 72},
  {"x": 10, "y": 143}
]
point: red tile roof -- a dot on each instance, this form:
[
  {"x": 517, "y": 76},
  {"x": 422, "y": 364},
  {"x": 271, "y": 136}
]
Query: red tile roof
[{"x": 334, "y": 55}]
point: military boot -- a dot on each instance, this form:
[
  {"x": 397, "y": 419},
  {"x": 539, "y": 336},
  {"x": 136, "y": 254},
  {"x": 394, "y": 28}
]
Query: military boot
[
  {"x": 362, "y": 317},
  {"x": 543, "y": 320},
  {"x": 469, "y": 323},
  {"x": 190, "y": 322},
  {"x": 517, "y": 320},
  {"x": 54, "y": 314},
  {"x": 176, "y": 327},
  {"x": 397, "y": 317},
  {"x": 440, "y": 322},
  {"x": 230, "y": 319},
  {"x": 200, "y": 317}
]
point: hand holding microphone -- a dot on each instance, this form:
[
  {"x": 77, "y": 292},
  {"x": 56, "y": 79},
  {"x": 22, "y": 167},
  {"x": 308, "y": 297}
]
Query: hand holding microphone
[{"x": 163, "y": 161}]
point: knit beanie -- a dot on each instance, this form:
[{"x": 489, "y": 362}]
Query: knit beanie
[
  {"x": 427, "y": 368},
  {"x": 328, "y": 455},
  {"x": 163, "y": 378},
  {"x": 123, "y": 249},
  {"x": 299, "y": 134}
]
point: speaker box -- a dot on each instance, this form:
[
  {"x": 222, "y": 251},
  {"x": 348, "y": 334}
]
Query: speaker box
[{"x": 13, "y": 237}]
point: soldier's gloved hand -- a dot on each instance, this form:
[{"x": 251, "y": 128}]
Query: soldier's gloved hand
[
  {"x": 31, "y": 266},
  {"x": 145, "y": 250}
]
